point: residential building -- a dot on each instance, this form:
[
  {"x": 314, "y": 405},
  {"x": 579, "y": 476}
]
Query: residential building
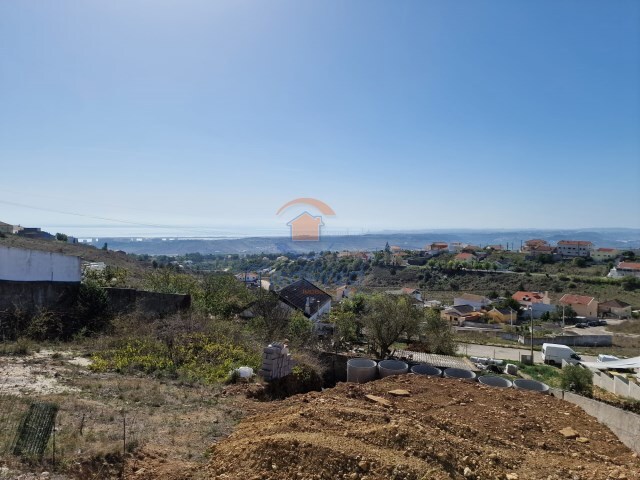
[
  {"x": 35, "y": 232},
  {"x": 536, "y": 303},
  {"x": 534, "y": 244},
  {"x": 615, "y": 308},
  {"x": 604, "y": 254},
  {"x": 495, "y": 248},
  {"x": 574, "y": 248},
  {"x": 395, "y": 249},
  {"x": 625, "y": 269},
  {"x": 438, "y": 246},
  {"x": 527, "y": 298},
  {"x": 456, "y": 247},
  {"x": 465, "y": 257},
  {"x": 305, "y": 297},
  {"x": 583, "y": 305},
  {"x": 459, "y": 313},
  {"x": 24, "y": 265},
  {"x": 249, "y": 278},
  {"x": 6, "y": 229},
  {"x": 503, "y": 315},
  {"x": 433, "y": 304},
  {"x": 398, "y": 259},
  {"x": 412, "y": 292},
  {"x": 477, "y": 302},
  {"x": 534, "y": 248}
]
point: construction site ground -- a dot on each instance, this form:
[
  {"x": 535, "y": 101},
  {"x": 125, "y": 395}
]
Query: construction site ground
[{"x": 412, "y": 427}]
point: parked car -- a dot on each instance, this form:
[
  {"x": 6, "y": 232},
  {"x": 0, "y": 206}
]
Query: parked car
[
  {"x": 554, "y": 353},
  {"x": 593, "y": 323},
  {"x": 602, "y": 323},
  {"x": 582, "y": 325}
]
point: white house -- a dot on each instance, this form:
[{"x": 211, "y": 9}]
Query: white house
[
  {"x": 604, "y": 254},
  {"x": 625, "y": 269},
  {"x": 575, "y": 248}
]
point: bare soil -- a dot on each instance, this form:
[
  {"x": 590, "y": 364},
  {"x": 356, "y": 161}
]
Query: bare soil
[{"x": 443, "y": 429}]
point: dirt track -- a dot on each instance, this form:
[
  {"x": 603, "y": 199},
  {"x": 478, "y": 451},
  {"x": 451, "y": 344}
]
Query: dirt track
[{"x": 445, "y": 429}]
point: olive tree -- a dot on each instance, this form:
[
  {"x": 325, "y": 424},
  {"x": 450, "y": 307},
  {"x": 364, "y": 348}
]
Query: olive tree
[{"x": 387, "y": 318}]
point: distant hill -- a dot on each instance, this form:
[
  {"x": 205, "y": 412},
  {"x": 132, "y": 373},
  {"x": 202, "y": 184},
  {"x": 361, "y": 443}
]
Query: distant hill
[{"x": 617, "y": 238}]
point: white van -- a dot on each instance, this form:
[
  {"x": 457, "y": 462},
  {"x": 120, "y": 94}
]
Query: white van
[{"x": 554, "y": 353}]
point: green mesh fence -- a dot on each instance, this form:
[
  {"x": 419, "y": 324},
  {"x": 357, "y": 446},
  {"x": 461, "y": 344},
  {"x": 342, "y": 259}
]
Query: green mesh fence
[{"x": 35, "y": 429}]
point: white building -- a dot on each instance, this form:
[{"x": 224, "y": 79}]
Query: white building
[
  {"x": 23, "y": 265},
  {"x": 575, "y": 248},
  {"x": 625, "y": 269}
]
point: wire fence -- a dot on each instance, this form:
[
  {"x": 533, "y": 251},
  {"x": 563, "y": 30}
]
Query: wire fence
[{"x": 76, "y": 436}]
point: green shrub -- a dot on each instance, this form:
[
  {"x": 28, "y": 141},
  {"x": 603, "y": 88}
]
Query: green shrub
[
  {"x": 577, "y": 379},
  {"x": 194, "y": 357}
]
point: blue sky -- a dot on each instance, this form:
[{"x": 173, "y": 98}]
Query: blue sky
[{"x": 399, "y": 115}]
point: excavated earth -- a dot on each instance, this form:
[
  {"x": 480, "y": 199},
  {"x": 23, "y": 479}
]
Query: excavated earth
[{"x": 440, "y": 429}]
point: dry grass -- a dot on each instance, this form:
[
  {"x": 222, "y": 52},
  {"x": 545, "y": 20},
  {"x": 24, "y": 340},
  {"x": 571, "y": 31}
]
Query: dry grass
[
  {"x": 628, "y": 326},
  {"x": 161, "y": 419}
]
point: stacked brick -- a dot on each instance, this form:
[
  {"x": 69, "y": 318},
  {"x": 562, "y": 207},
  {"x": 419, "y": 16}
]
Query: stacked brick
[{"x": 276, "y": 362}]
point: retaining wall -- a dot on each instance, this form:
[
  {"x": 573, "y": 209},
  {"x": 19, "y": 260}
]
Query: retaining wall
[
  {"x": 625, "y": 425},
  {"x": 616, "y": 384},
  {"x": 570, "y": 340},
  {"x": 33, "y": 296},
  {"x": 124, "y": 300}
]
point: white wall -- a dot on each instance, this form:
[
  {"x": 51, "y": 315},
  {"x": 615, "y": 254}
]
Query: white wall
[{"x": 23, "y": 265}]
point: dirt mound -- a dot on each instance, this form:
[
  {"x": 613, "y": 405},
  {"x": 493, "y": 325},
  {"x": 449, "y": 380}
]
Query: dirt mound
[{"x": 441, "y": 429}]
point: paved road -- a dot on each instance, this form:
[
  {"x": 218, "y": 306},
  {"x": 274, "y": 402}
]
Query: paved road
[{"x": 504, "y": 353}]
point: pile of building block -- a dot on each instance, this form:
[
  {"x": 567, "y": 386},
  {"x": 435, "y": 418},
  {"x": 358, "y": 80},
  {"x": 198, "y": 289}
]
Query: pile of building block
[{"x": 276, "y": 362}]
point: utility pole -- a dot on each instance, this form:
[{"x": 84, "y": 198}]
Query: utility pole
[{"x": 531, "y": 312}]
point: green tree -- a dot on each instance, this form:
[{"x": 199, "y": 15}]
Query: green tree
[
  {"x": 511, "y": 303},
  {"x": 62, "y": 237},
  {"x": 300, "y": 329},
  {"x": 579, "y": 262},
  {"x": 388, "y": 317},
  {"x": 438, "y": 334},
  {"x": 569, "y": 313},
  {"x": 577, "y": 379},
  {"x": 345, "y": 327},
  {"x": 630, "y": 283}
]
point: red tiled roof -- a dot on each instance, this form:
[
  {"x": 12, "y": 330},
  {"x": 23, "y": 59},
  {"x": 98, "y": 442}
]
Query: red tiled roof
[
  {"x": 629, "y": 265},
  {"x": 574, "y": 242},
  {"x": 606, "y": 250},
  {"x": 615, "y": 304},
  {"x": 464, "y": 256},
  {"x": 533, "y": 297},
  {"x": 535, "y": 241},
  {"x": 570, "y": 299}
]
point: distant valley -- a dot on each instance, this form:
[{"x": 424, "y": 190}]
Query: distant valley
[{"x": 510, "y": 239}]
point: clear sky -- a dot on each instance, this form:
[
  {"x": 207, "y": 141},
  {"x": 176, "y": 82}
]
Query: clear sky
[{"x": 398, "y": 114}]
